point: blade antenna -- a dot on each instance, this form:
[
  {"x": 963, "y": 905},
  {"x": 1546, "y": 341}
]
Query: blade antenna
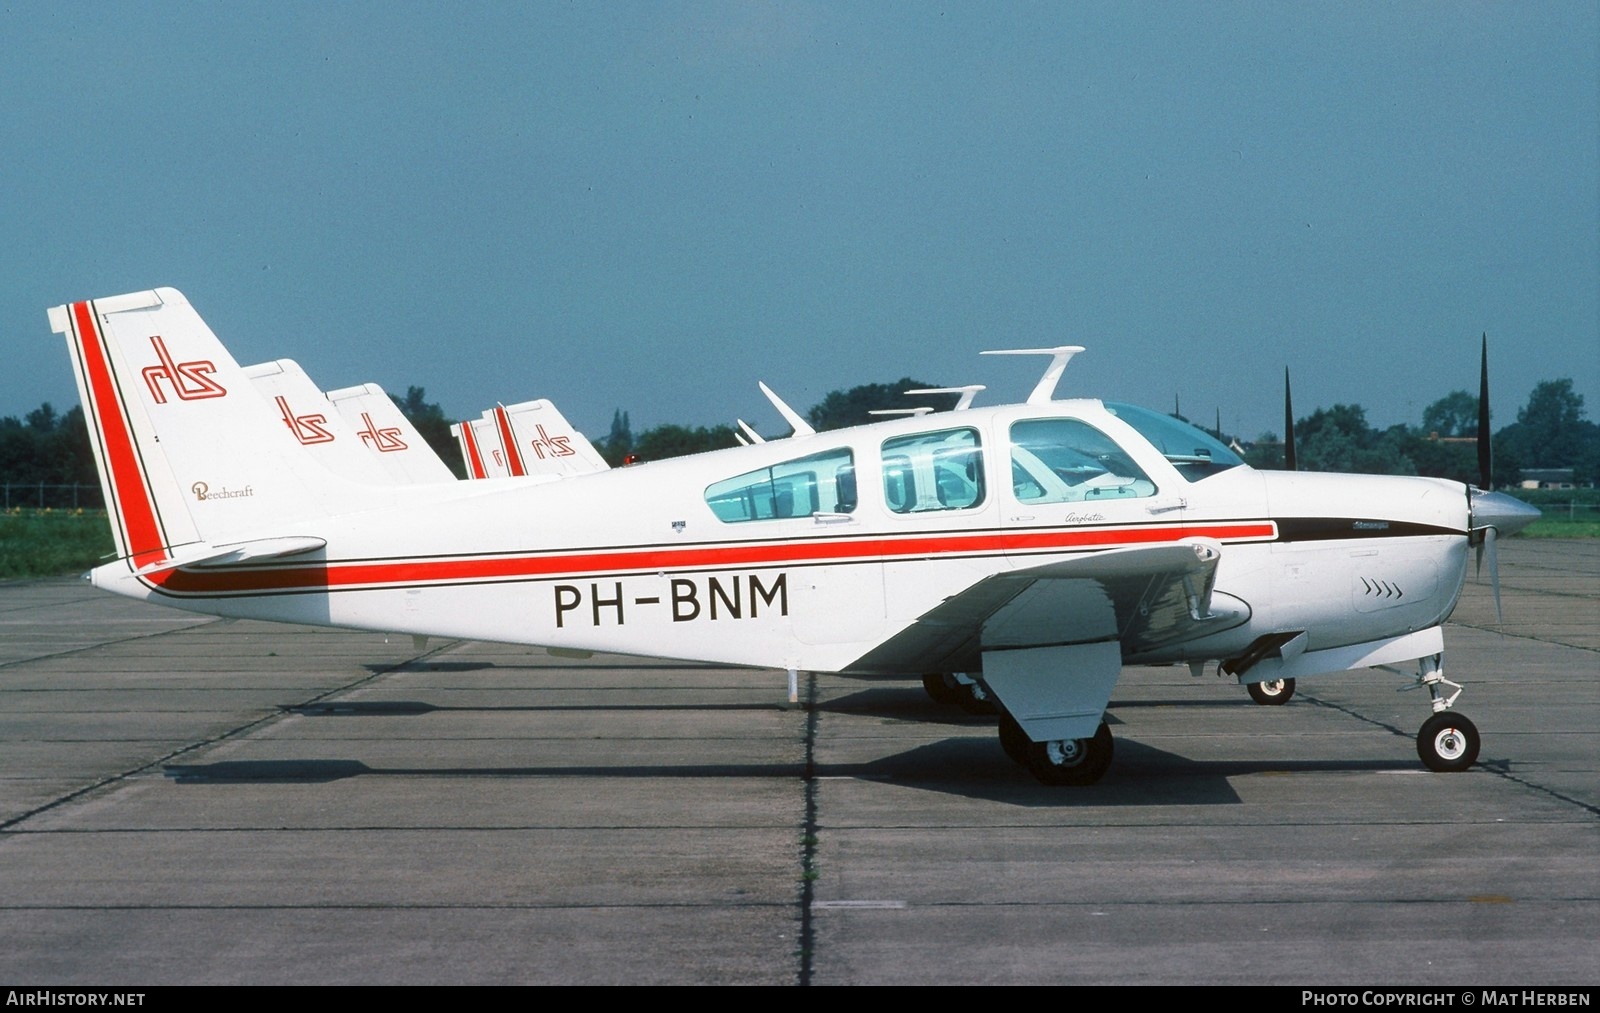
[
  {"x": 751, "y": 435},
  {"x": 1289, "y": 462},
  {"x": 967, "y": 393},
  {"x": 801, "y": 426},
  {"x": 1045, "y": 391}
]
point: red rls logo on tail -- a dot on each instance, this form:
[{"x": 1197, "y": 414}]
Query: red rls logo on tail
[
  {"x": 559, "y": 446},
  {"x": 382, "y": 440},
  {"x": 306, "y": 428},
  {"x": 190, "y": 381}
]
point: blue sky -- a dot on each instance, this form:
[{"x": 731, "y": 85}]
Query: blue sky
[{"x": 650, "y": 206}]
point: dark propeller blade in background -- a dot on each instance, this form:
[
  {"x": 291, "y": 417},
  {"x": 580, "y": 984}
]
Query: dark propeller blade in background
[
  {"x": 1485, "y": 451},
  {"x": 1288, "y": 425}
]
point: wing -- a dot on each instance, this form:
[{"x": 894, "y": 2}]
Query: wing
[{"x": 1144, "y": 598}]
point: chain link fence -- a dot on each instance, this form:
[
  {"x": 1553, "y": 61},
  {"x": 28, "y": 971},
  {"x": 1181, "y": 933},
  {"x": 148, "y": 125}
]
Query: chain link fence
[{"x": 43, "y": 495}]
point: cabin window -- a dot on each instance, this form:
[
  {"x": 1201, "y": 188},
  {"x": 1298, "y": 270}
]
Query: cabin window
[
  {"x": 821, "y": 483},
  {"x": 1193, "y": 451},
  {"x": 933, "y": 471},
  {"x": 1068, "y": 461}
]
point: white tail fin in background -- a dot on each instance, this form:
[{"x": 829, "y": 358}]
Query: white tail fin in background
[
  {"x": 188, "y": 450},
  {"x": 314, "y": 423},
  {"x": 389, "y": 435},
  {"x": 547, "y": 444}
]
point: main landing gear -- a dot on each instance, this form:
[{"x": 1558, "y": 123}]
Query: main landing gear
[
  {"x": 1271, "y": 694},
  {"x": 1060, "y": 761},
  {"x": 1056, "y": 762}
]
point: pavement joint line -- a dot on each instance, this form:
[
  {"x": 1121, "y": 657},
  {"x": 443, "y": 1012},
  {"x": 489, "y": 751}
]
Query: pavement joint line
[
  {"x": 277, "y": 714},
  {"x": 1488, "y": 767},
  {"x": 808, "y": 855},
  {"x": 212, "y": 621}
]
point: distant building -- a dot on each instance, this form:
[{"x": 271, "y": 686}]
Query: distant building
[{"x": 1548, "y": 478}]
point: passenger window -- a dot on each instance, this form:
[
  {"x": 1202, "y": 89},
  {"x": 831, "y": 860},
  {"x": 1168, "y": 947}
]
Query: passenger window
[
  {"x": 933, "y": 471},
  {"x": 1068, "y": 461},
  {"x": 821, "y": 483}
]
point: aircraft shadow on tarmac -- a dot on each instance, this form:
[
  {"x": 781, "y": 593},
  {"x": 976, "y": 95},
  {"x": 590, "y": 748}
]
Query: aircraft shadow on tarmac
[
  {"x": 405, "y": 708},
  {"x": 965, "y": 766},
  {"x": 543, "y": 665}
]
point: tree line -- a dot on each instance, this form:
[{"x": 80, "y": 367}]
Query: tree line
[{"x": 45, "y": 447}]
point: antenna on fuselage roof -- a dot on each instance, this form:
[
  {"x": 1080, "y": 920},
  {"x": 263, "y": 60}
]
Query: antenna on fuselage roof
[
  {"x": 967, "y": 393},
  {"x": 1045, "y": 391},
  {"x": 801, "y": 426},
  {"x": 750, "y": 435},
  {"x": 920, "y": 410}
]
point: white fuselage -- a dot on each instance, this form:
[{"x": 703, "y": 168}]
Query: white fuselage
[{"x": 639, "y": 561}]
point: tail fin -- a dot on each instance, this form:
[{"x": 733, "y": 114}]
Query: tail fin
[
  {"x": 547, "y": 442},
  {"x": 389, "y": 435},
  {"x": 314, "y": 423},
  {"x": 480, "y": 447},
  {"x": 188, "y": 450}
]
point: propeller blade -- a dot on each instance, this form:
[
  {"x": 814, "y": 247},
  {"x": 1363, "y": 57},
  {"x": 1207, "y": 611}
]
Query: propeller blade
[
  {"x": 1485, "y": 450},
  {"x": 1494, "y": 573},
  {"x": 1288, "y": 426}
]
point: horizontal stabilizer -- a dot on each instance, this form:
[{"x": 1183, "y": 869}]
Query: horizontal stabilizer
[{"x": 252, "y": 551}]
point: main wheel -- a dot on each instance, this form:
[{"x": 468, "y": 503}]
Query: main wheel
[
  {"x": 1271, "y": 694},
  {"x": 1448, "y": 742},
  {"x": 1071, "y": 761},
  {"x": 941, "y": 688},
  {"x": 1013, "y": 739}
]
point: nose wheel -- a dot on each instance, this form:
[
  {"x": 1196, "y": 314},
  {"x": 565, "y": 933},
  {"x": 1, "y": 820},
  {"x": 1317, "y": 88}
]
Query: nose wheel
[{"x": 1448, "y": 742}]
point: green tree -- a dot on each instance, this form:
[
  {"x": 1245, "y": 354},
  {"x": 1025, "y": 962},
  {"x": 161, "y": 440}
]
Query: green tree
[
  {"x": 1550, "y": 431},
  {"x": 434, "y": 427},
  {"x": 669, "y": 440},
  {"x": 618, "y": 444},
  {"x": 1339, "y": 439},
  {"x": 843, "y": 408},
  {"x": 1455, "y": 414}
]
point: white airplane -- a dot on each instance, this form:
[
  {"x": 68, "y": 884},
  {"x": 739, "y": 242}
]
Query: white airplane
[
  {"x": 1036, "y": 548},
  {"x": 538, "y": 440}
]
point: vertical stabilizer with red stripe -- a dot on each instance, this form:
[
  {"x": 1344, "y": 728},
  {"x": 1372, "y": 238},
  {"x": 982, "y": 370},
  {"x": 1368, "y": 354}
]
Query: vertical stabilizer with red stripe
[
  {"x": 189, "y": 451},
  {"x": 548, "y": 444}
]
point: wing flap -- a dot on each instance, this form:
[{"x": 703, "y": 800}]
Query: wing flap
[{"x": 1144, "y": 596}]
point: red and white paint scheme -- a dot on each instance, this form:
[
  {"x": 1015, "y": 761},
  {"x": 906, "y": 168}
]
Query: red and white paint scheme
[
  {"x": 1019, "y": 553},
  {"x": 481, "y": 448},
  {"x": 545, "y": 442},
  {"x": 306, "y": 413},
  {"x": 386, "y": 433}
]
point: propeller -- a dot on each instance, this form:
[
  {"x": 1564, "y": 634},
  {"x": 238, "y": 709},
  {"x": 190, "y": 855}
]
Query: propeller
[
  {"x": 1491, "y": 513},
  {"x": 1288, "y": 425}
]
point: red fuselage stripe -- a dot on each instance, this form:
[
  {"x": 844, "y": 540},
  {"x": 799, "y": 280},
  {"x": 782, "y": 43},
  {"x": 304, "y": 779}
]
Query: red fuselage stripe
[
  {"x": 356, "y": 575},
  {"x": 134, "y": 504}
]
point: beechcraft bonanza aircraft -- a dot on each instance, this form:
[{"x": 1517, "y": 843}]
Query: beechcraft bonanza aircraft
[{"x": 1033, "y": 548}]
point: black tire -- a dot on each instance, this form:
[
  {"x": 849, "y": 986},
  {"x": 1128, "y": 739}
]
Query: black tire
[
  {"x": 1271, "y": 694},
  {"x": 1014, "y": 740},
  {"x": 941, "y": 688},
  {"x": 1071, "y": 761},
  {"x": 1448, "y": 743}
]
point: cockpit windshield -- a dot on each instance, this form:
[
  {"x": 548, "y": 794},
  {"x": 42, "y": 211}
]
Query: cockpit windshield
[{"x": 1195, "y": 453}]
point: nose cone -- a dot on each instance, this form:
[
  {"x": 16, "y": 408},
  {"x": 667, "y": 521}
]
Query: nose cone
[{"x": 1506, "y": 514}]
